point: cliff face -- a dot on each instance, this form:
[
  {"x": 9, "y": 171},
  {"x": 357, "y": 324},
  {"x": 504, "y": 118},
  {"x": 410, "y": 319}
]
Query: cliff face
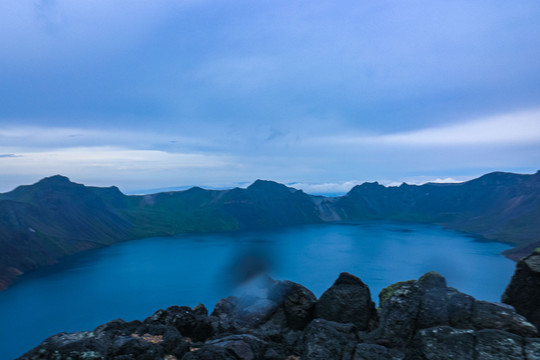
[
  {"x": 419, "y": 319},
  {"x": 55, "y": 217}
]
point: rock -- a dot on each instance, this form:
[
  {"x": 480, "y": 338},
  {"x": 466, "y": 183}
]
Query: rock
[
  {"x": 327, "y": 340},
  {"x": 460, "y": 308},
  {"x": 388, "y": 291},
  {"x": 256, "y": 311},
  {"x": 244, "y": 347},
  {"x": 432, "y": 280},
  {"x": 348, "y": 300},
  {"x": 376, "y": 352},
  {"x": 444, "y": 342},
  {"x": 190, "y": 322},
  {"x": 523, "y": 292},
  {"x": 298, "y": 303},
  {"x": 226, "y": 306},
  {"x": 488, "y": 315},
  {"x": 419, "y": 319},
  {"x": 398, "y": 315},
  {"x": 114, "y": 340},
  {"x": 532, "y": 349},
  {"x": 209, "y": 353},
  {"x": 498, "y": 345}
]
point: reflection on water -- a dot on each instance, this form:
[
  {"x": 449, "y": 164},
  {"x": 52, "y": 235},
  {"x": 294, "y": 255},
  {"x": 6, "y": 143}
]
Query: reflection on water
[{"x": 131, "y": 280}]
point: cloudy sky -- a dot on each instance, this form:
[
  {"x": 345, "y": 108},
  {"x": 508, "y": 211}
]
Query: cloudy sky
[{"x": 322, "y": 94}]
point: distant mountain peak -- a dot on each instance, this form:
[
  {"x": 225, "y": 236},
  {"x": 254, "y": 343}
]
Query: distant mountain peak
[
  {"x": 265, "y": 185},
  {"x": 367, "y": 186},
  {"x": 55, "y": 179}
]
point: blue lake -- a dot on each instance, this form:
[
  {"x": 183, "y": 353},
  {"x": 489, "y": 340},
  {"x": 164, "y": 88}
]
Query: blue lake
[{"x": 131, "y": 280}]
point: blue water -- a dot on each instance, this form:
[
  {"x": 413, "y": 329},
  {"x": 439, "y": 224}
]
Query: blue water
[{"x": 131, "y": 280}]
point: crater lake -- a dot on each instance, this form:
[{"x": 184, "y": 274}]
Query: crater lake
[{"x": 132, "y": 280}]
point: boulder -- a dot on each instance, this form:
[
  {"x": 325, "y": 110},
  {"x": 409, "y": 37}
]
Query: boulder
[
  {"x": 489, "y": 315},
  {"x": 328, "y": 340},
  {"x": 297, "y": 302},
  {"x": 523, "y": 292},
  {"x": 348, "y": 300},
  {"x": 498, "y": 345},
  {"x": 376, "y": 352},
  {"x": 444, "y": 342},
  {"x": 192, "y": 323},
  {"x": 114, "y": 340},
  {"x": 398, "y": 315}
]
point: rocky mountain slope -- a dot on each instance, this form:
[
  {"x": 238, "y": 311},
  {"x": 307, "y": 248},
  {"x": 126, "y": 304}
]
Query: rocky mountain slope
[
  {"x": 55, "y": 217},
  {"x": 417, "y": 320}
]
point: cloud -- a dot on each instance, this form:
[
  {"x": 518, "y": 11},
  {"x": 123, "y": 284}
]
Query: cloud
[
  {"x": 8, "y": 155},
  {"x": 107, "y": 158},
  {"x": 505, "y": 129},
  {"x": 420, "y": 180},
  {"x": 25, "y": 138}
]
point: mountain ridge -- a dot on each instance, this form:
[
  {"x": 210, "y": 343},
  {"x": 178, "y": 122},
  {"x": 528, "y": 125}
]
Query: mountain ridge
[{"x": 55, "y": 217}]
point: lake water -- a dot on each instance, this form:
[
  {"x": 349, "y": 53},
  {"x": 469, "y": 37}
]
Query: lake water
[{"x": 131, "y": 280}]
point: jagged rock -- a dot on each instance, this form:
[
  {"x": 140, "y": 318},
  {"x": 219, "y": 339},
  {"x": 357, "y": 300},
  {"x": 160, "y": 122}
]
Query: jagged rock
[
  {"x": 192, "y": 323},
  {"x": 420, "y": 320},
  {"x": 244, "y": 347},
  {"x": 387, "y": 292},
  {"x": 444, "y": 342},
  {"x": 327, "y": 340},
  {"x": 488, "y": 315},
  {"x": 523, "y": 292},
  {"x": 460, "y": 308},
  {"x": 532, "y": 349},
  {"x": 498, "y": 345},
  {"x": 426, "y": 303},
  {"x": 114, "y": 340},
  {"x": 209, "y": 353},
  {"x": 297, "y": 302},
  {"x": 348, "y": 300},
  {"x": 398, "y": 315},
  {"x": 256, "y": 311},
  {"x": 226, "y": 306},
  {"x": 376, "y": 352}
]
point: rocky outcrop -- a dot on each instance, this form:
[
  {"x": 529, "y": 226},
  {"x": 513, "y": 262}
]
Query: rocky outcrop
[
  {"x": 523, "y": 292},
  {"x": 348, "y": 300},
  {"x": 420, "y": 319}
]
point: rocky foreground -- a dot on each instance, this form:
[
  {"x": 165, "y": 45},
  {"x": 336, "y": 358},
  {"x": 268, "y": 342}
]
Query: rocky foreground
[{"x": 417, "y": 319}]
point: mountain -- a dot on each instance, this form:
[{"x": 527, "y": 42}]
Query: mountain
[
  {"x": 497, "y": 206},
  {"x": 55, "y": 217}
]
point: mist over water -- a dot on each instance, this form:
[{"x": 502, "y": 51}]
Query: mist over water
[{"x": 132, "y": 280}]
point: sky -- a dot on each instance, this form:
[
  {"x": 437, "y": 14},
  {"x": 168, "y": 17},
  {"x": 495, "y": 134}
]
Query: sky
[{"x": 320, "y": 94}]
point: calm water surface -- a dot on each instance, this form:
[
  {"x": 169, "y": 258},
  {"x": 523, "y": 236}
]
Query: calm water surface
[{"x": 131, "y": 280}]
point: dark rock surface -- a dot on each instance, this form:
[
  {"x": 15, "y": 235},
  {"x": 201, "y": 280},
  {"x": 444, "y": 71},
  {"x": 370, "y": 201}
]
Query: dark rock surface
[
  {"x": 523, "y": 292},
  {"x": 419, "y": 320},
  {"x": 348, "y": 300}
]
